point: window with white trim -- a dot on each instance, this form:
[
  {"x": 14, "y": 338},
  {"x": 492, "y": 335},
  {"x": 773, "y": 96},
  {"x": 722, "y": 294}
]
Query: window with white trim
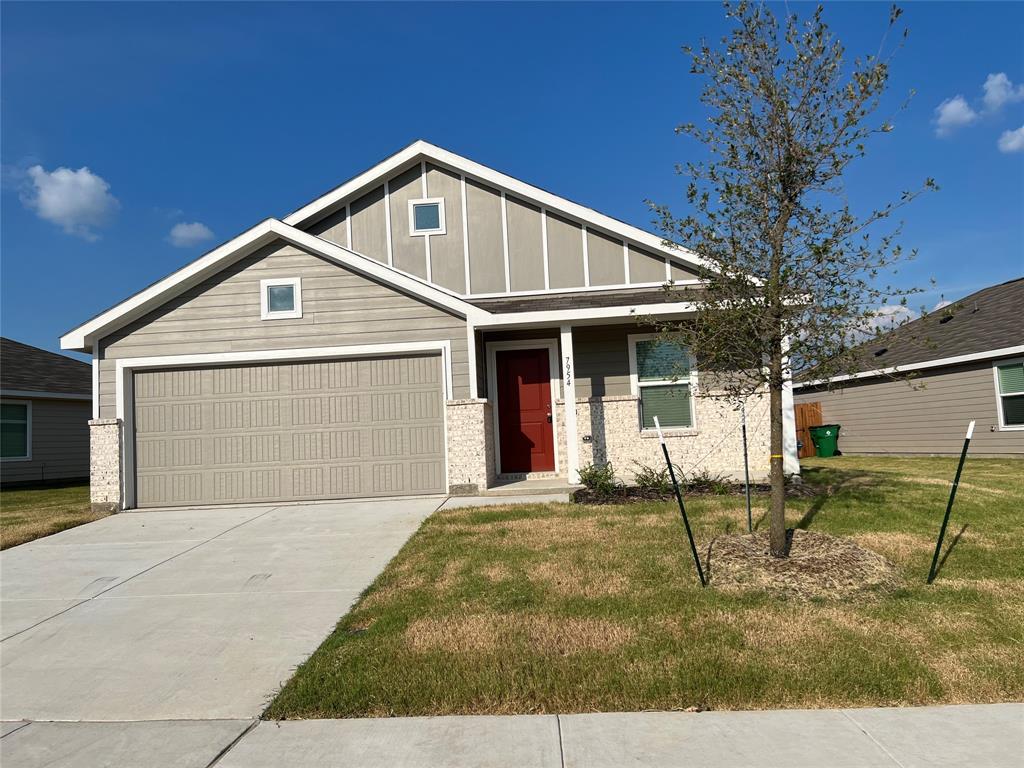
[
  {"x": 426, "y": 216},
  {"x": 664, "y": 379},
  {"x": 15, "y": 430},
  {"x": 281, "y": 298},
  {"x": 1010, "y": 394}
]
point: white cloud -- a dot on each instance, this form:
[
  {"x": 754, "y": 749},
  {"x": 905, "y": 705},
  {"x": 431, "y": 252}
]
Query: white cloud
[
  {"x": 890, "y": 315},
  {"x": 186, "y": 234},
  {"x": 884, "y": 318},
  {"x": 942, "y": 303},
  {"x": 1012, "y": 141},
  {"x": 952, "y": 114},
  {"x": 77, "y": 201},
  {"x": 999, "y": 90}
]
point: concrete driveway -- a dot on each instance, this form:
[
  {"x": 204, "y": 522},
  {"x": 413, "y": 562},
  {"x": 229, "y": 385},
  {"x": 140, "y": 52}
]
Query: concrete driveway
[{"x": 192, "y": 614}]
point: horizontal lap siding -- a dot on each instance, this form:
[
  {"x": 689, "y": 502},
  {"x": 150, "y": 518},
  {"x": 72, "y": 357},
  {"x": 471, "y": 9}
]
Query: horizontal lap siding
[
  {"x": 60, "y": 443},
  {"x": 891, "y": 417},
  {"x": 340, "y": 308}
]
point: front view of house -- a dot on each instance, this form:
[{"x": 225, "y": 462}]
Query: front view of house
[{"x": 417, "y": 330}]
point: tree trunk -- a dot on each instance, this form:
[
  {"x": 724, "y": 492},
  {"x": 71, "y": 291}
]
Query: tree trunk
[{"x": 777, "y": 515}]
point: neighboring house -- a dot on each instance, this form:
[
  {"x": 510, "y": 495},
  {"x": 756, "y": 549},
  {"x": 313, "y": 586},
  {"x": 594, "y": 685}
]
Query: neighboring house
[
  {"x": 44, "y": 429},
  {"x": 964, "y": 362},
  {"x": 416, "y": 330}
]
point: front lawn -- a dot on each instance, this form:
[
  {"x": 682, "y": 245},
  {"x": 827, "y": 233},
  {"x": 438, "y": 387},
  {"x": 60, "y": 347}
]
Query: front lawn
[
  {"x": 562, "y": 608},
  {"x": 28, "y": 513}
]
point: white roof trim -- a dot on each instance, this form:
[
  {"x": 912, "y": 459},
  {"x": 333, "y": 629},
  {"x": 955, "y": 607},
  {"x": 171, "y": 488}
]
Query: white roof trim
[
  {"x": 587, "y": 315},
  {"x": 466, "y": 167},
  {"x": 937, "y": 363},
  {"x": 264, "y": 233}
]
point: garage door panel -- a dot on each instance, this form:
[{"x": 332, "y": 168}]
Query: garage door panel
[{"x": 326, "y": 429}]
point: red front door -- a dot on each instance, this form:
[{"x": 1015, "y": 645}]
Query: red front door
[{"x": 525, "y": 431}]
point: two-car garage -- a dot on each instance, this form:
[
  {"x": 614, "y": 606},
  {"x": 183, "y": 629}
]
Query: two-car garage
[{"x": 280, "y": 431}]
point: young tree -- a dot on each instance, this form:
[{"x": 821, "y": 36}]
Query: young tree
[{"x": 793, "y": 272}]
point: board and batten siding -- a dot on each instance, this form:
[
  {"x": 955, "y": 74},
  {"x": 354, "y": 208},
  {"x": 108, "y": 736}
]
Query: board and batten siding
[
  {"x": 890, "y": 416},
  {"x": 339, "y": 308},
  {"x": 60, "y": 442},
  {"x": 491, "y": 226}
]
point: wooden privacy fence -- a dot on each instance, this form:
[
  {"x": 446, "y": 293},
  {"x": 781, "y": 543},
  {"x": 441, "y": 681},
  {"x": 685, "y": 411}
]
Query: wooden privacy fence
[{"x": 807, "y": 415}]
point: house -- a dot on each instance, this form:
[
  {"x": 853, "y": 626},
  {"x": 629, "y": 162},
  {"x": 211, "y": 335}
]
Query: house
[
  {"x": 44, "y": 429},
  {"x": 964, "y": 362},
  {"x": 417, "y": 330}
]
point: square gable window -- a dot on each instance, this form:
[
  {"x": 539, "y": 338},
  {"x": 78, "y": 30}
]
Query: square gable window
[
  {"x": 281, "y": 299},
  {"x": 426, "y": 216}
]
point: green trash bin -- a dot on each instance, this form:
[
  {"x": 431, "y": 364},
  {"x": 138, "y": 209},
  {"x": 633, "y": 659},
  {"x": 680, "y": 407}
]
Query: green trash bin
[{"x": 825, "y": 439}]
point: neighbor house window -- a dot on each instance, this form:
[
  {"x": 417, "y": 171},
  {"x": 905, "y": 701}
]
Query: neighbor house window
[
  {"x": 1010, "y": 394},
  {"x": 15, "y": 430},
  {"x": 663, "y": 378},
  {"x": 426, "y": 216},
  {"x": 281, "y": 299}
]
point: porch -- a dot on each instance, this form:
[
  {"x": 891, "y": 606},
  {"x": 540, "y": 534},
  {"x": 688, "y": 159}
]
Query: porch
[{"x": 526, "y": 369}]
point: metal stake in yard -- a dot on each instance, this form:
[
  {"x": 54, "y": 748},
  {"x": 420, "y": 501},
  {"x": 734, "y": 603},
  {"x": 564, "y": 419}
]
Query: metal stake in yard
[
  {"x": 679, "y": 498},
  {"x": 949, "y": 504},
  {"x": 746, "y": 465}
]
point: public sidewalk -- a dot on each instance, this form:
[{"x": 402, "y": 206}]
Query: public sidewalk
[{"x": 979, "y": 736}]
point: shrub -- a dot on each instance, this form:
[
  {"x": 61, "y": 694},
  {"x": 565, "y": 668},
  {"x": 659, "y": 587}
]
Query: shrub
[
  {"x": 706, "y": 482},
  {"x": 599, "y": 478},
  {"x": 652, "y": 480}
]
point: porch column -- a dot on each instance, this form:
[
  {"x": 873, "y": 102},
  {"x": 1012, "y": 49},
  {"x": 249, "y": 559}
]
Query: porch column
[
  {"x": 572, "y": 446},
  {"x": 790, "y": 462}
]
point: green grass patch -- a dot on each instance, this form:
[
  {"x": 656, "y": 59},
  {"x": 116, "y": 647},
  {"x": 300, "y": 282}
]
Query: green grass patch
[
  {"x": 564, "y": 608},
  {"x": 29, "y": 513}
]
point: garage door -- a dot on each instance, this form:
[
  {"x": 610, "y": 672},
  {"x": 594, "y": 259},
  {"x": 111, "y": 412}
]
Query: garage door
[{"x": 277, "y": 432}]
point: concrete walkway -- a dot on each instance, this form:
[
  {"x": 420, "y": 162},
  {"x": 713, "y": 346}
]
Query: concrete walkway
[{"x": 979, "y": 736}]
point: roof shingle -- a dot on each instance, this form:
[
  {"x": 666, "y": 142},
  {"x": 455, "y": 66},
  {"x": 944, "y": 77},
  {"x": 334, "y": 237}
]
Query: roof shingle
[{"x": 31, "y": 369}]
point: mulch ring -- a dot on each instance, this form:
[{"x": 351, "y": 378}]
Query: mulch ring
[
  {"x": 626, "y": 494},
  {"x": 818, "y": 566}
]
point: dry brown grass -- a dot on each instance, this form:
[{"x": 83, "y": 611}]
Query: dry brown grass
[
  {"x": 488, "y": 632},
  {"x": 575, "y": 579}
]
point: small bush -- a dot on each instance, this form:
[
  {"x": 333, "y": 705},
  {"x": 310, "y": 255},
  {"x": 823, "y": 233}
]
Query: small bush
[
  {"x": 652, "y": 480},
  {"x": 705, "y": 482},
  {"x": 599, "y": 479}
]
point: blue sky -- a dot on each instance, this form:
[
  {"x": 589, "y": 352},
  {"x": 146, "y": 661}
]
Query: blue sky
[{"x": 211, "y": 117}]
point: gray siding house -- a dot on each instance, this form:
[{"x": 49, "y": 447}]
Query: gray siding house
[
  {"x": 430, "y": 326},
  {"x": 44, "y": 425},
  {"x": 929, "y": 378}
]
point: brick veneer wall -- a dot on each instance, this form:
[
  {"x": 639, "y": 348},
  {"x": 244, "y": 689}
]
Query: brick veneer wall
[{"x": 105, "y": 464}]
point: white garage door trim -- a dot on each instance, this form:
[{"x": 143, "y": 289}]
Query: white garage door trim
[{"x": 127, "y": 366}]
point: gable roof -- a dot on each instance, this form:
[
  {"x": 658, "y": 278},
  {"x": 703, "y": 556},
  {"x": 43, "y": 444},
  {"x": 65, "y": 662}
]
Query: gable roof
[
  {"x": 24, "y": 368},
  {"x": 983, "y": 325},
  {"x": 264, "y": 233},
  {"x": 423, "y": 150},
  {"x": 291, "y": 230}
]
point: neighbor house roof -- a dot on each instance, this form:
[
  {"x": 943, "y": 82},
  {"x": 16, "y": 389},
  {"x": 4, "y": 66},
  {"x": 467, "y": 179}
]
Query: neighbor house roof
[
  {"x": 27, "y": 369},
  {"x": 983, "y": 325}
]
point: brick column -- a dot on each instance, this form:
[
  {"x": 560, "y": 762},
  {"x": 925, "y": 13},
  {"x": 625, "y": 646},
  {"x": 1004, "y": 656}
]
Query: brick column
[
  {"x": 470, "y": 447},
  {"x": 105, "y": 464}
]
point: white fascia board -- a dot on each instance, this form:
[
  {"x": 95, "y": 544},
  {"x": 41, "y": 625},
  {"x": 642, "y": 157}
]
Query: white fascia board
[
  {"x": 464, "y": 166},
  {"x": 588, "y": 315},
  {"x": 28, "y": 393},
  {"x": 937, "y": 363},
  {"x": 374, "y": 269},
  {"x": 262, "y": 234},
  {"x": 81, "y": 338}
]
